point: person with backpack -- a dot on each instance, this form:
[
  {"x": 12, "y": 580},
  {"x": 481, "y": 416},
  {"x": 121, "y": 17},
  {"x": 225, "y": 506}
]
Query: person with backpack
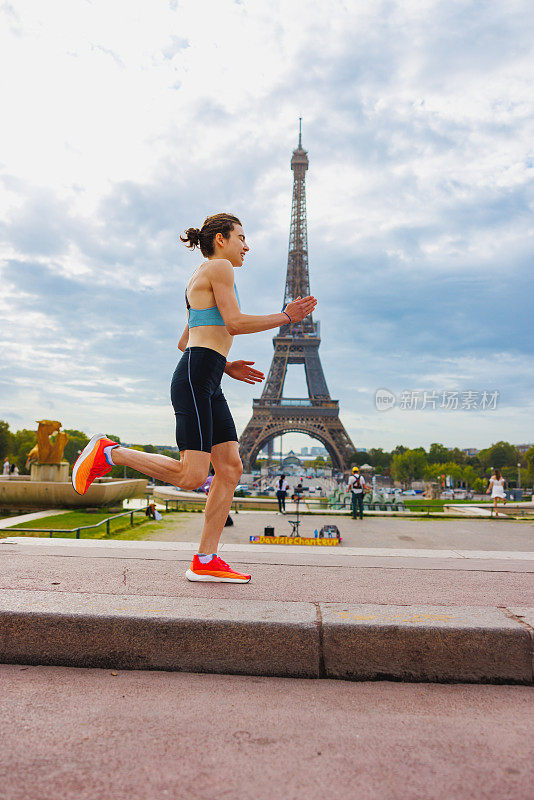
[{"x": 357, "y": 487}]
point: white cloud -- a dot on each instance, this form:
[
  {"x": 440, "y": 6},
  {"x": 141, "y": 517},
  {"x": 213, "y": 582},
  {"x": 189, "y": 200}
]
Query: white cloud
[{"x": 129, "y": 122}]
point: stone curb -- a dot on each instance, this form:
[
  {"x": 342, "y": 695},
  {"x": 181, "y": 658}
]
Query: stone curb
[
  {"x": 270, "y": 638},
  {"x": 151, "y": 632},
  {"x": 426, "y": 643}
]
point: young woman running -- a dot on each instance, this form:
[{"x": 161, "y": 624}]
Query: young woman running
[
  {"x": 496, "y": 487},
  {"x": 205, "y": 430}
]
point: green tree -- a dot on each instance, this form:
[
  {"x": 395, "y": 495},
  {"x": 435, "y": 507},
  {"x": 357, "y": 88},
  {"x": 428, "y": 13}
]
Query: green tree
[
  {"x": 435, "y": 471},
  {"x": 469, "y": 475},
  {"x": 473, "y": 461},
  {"x": 527, "y": 474},
  {"x": 22, "y": 442},
  {"x": 457, "y": 455},
  {"x": 409, "y": 466},
  {"x": 438, "y": 453},
  {"x": 358, "y": 458},
  {"x": 5, "y": 439},
  {"x": 77, "y": 441},
  {"x": 510, "y": 475},
  {"x": 169, "y": 453},
  {"x": 499, "y": 455},
  {"x": 479, "y": 486},
  {"x": 453, "y": 469},
  {"x": 379, "y": 459}
]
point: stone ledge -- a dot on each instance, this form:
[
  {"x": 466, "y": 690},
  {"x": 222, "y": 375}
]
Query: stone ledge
[
  {"x": 425, "y": 643},
  {"x": 140, "y": 632},
  {"x": 271, "y": 638}
]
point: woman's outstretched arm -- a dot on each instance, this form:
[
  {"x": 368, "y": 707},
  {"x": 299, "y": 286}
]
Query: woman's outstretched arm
[{"x": 222, "y": 282}]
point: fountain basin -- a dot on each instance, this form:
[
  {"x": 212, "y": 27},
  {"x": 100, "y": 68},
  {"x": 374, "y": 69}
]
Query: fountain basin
[{"x": 23, "y": 492}]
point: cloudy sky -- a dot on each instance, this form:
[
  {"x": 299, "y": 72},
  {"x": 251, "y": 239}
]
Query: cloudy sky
[{"x": 125, "y": 122}]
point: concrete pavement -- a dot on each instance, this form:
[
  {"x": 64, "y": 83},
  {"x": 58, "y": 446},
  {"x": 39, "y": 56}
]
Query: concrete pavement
[
  {"x": 95, "y": 734},
  {"x": 406, "y": 532},
  {"x": 449, "y": 615}
]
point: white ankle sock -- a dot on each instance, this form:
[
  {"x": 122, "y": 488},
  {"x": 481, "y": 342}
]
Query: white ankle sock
[
  {"x": 204, "y": 559},
  {"x": 107, "y": 454}
]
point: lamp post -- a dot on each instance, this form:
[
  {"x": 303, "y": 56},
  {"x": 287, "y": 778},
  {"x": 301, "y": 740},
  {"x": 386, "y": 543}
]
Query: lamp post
[{"x": 518, "y": 474}]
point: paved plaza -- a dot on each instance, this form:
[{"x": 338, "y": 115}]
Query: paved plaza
[
  {"x": 94, "y": 734},
  {"x": 372, "y": 531},
  {"x": 441, "y": 606}
]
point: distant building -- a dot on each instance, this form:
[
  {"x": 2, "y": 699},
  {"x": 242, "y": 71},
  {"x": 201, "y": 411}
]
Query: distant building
[
  {"x": 304, "y": 451},
  {"x": 292, "y": 458},
  {"x": 470, "y": 451},
  {"x": 522, "y": 448}
]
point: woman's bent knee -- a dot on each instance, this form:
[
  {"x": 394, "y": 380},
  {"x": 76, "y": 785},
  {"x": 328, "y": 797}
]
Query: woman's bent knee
[
  {"x": 193, "y": 478},
  {"x": 230, "y": 472}
]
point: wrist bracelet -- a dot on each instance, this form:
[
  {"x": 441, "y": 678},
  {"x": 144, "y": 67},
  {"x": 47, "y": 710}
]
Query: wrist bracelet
[{"x": 287, "y": 315}]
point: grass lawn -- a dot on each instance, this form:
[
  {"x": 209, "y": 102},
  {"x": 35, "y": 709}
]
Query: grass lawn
[
  {"x": 413, "y": 501},
  {"x": 75, "y": 519},
  {"x": 143, "y": 528}
]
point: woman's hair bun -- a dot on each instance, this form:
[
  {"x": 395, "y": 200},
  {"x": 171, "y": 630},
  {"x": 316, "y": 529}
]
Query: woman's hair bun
[
  {"x": 204, "y": 237},
  {"x": 191, "y": 238}
]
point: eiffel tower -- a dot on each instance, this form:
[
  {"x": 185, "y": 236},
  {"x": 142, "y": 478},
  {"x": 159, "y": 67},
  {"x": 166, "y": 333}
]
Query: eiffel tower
[{"x": 298, "y": 343}]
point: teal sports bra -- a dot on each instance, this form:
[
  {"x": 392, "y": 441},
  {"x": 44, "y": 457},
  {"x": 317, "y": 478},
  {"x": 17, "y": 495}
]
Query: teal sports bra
[{"x": 206, "y": 316}]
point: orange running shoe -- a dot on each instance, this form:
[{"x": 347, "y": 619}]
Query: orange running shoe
[
  {"x": 91, "y": 463},
  {"x": 216, "y": 571}
]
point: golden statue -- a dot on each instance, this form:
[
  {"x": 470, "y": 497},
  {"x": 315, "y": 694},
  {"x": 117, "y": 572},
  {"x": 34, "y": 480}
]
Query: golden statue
[{"x": 47, "y": 451}]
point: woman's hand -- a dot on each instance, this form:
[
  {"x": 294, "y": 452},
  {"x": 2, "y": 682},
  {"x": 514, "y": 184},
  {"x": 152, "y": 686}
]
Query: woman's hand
[
  {"x": 243, "y": 371},
  {"x": 300, "y": 308}
]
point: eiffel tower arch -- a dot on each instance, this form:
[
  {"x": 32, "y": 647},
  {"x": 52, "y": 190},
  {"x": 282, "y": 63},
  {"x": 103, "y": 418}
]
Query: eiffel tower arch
[
  {"x": 336, "y": 442},
  {"x": 316, "y": 415}
]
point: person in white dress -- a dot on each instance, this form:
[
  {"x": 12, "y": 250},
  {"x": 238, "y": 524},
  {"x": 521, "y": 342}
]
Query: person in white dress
[{"x": 496, "y": 487}]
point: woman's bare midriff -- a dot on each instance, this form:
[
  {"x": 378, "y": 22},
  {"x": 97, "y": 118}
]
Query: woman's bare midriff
[
  {"x": 216, "y": 337},
  {"x": 200, "y": 295}
]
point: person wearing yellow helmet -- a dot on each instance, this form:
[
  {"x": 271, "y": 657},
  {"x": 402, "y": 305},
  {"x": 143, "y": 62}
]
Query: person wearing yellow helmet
[{"x": 356, "y": 488}]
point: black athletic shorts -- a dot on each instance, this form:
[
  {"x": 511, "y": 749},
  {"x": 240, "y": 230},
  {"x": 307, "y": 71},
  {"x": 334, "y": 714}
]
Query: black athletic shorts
[{"x": 203, "y": 418}]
